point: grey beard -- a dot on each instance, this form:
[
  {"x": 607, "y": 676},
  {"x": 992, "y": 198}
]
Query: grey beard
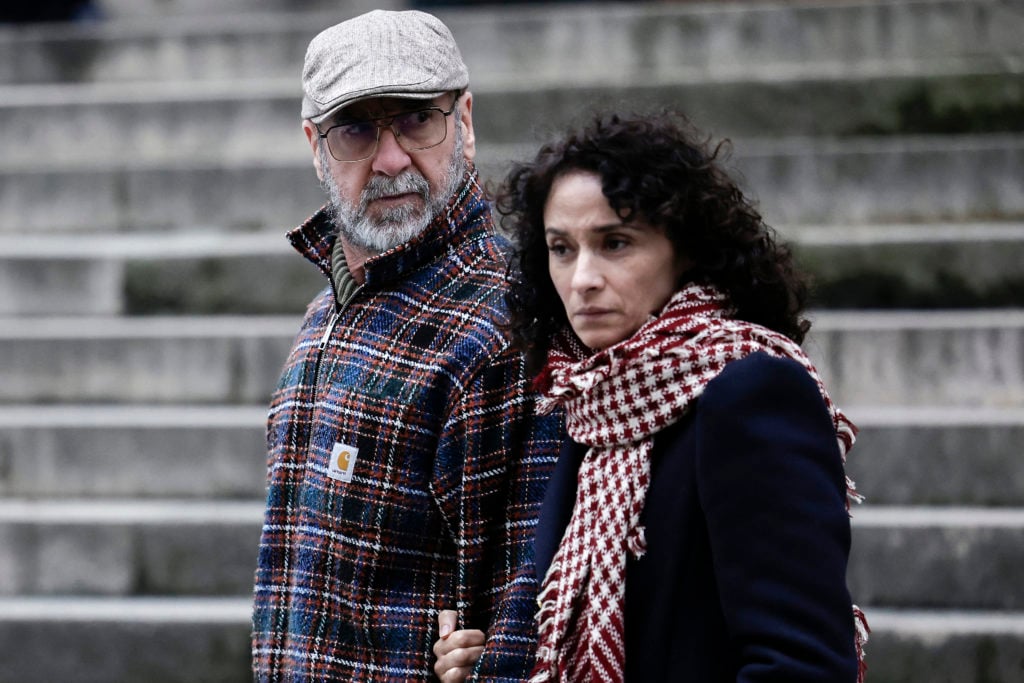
[{"x": 397, "y": 225}]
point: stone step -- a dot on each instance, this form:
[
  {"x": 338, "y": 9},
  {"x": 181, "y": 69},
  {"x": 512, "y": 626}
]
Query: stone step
[
  {"x": 899, "y": 358},
  {"x": 948, "y": 646},
  {"x": 196, "y": 272},
  {"x": 547, "y": 42},
  {"x": 797, "y": 181},
  {"x": 903, "y": 456},
  {"x": 918, "y": 358},
  {"x": 211, "y": 8},
  {"x": 912, "y": 266},
  {"x": 196, "y": 360},
  {"x": 104, "y": 640},
  {"x": 179, "y": 640},
  {"x": 251, "y": 120},
  {"x": 937, "y": 557},
  {"x": 124, "y": 547},
  {"x": 875, "y": 266},
  {"x": 938, "y": 456},
  {"x": 133, "y": 451},
  {"x": 934, "y": 557}
]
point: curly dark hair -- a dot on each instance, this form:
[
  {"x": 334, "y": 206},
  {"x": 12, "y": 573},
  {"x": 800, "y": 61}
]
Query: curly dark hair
[{"x": 659, "y": 169}]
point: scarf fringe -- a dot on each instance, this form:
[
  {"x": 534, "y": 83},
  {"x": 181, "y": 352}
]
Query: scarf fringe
[
  {"x": 542, "y": 676},
  {"x": 860, "y": 622},
  {"x": 852, "y": 496},
  {"x": 546, "y": 662}
]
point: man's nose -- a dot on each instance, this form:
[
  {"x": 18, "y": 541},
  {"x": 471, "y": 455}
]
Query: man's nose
[{"x": 390, "y": 159}]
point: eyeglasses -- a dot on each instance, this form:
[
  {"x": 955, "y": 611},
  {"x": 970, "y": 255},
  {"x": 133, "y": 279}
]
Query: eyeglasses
[{"x": 414, "y": 131}]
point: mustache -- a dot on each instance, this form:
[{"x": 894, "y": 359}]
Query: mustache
[{"x": 385, "y": 186}]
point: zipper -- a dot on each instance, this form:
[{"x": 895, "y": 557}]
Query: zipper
[
  {"x": 327, "y": 333},
  {"x": 322, "y": 345}
]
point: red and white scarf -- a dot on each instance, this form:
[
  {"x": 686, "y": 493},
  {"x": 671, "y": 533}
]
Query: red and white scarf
[{"x": 616, "y": 400}]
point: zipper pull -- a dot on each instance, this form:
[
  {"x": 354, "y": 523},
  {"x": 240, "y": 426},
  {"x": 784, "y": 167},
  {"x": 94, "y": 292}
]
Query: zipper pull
[{"x": 330, "y": 328}]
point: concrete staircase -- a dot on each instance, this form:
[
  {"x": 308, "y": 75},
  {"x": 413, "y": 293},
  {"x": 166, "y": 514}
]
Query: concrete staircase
[{"x": 150, "y": 163}]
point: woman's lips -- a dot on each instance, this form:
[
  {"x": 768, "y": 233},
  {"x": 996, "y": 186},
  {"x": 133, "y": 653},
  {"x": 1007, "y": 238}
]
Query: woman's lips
[{"x": 588, "y": 313}]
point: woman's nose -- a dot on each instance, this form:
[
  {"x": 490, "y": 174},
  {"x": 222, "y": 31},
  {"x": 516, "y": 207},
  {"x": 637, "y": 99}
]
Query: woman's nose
[{"x": 587, "y": 274}]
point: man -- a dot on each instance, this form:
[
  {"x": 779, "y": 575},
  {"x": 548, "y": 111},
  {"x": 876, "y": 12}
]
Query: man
[{"x": 406, "y": 466}]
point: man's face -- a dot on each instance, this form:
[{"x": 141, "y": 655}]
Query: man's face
[{"x": 390, "y": 197}]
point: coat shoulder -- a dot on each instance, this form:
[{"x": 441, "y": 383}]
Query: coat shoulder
[{"x": 760, "y": 378}]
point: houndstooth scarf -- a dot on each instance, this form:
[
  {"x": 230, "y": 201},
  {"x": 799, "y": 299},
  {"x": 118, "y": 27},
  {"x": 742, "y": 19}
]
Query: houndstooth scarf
[{"x": 616, "y": 401}]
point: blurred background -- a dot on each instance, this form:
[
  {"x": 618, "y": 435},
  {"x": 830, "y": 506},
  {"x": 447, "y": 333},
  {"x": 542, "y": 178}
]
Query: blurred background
[{"x": 151, "y": 160}]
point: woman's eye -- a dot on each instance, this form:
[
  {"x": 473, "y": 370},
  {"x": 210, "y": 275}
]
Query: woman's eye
[
  {"x": 557, "y": 249},
  {"x": 615, "y": 243}
]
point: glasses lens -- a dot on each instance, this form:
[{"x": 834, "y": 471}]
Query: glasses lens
[
  {"x": 415, "y": 130},
  {"x": 352, "y": 141},
  {"x": 420, "y": 129}
]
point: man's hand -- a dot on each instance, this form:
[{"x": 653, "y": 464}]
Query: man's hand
[{"x": 457, "y": 651}]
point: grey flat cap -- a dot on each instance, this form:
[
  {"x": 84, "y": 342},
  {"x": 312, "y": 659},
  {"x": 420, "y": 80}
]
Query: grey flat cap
[{"x": 380, "y": 54}]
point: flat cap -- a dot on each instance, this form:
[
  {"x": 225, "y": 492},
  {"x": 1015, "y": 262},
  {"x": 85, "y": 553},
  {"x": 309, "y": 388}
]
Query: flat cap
[{"x": 382, "y": 53}]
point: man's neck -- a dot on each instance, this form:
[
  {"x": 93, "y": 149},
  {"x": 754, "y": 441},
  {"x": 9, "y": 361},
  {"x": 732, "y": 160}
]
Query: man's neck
[{"x": 355, "y": 258}]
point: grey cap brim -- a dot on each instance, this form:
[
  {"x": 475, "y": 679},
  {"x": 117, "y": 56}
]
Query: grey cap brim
[{"x": 320, "y": 118}]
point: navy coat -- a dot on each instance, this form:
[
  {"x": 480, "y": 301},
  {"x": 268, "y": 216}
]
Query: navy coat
[{"x": 744, "y": 579}]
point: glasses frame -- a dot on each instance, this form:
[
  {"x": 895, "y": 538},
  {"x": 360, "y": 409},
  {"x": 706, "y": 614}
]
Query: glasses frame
[{"x": 388, "y": 122}]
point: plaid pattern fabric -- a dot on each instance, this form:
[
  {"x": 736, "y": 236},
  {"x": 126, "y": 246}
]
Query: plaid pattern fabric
[{"x": 416, "y": 381}]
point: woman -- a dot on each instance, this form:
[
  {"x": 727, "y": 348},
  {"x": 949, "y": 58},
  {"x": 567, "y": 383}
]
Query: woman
[{"x": 696, "y": 527}]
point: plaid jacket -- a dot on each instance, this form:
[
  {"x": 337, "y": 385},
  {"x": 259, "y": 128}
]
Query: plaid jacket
[{"x": 406, "y": 467}]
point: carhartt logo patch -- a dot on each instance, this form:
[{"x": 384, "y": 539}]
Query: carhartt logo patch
[{"x": 343, "y": 461}]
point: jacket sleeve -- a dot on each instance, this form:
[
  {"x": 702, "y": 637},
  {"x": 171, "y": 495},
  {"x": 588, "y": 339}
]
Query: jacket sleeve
[
  {"x": 509, "y": 454},
  {"x": 772, "y": 487}
]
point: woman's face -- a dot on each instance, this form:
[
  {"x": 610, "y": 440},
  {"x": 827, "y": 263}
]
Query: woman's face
[{"x": 610, "y": 275}]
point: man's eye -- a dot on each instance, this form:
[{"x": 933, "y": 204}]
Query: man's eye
[
  {"x": 414, "y": 120},
  {"x": 355, "y": 130},
  {"x": 422, "y": 116}
]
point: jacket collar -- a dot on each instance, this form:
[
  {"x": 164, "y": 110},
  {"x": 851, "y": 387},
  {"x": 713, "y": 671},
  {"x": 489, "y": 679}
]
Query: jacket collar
[{"x": 466, "y": 217}]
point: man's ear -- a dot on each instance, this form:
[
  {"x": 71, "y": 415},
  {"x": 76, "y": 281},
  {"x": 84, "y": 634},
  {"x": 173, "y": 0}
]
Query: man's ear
[
  {"x": 466, "y": 121},
  {"x": 313, "y": 137}
]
